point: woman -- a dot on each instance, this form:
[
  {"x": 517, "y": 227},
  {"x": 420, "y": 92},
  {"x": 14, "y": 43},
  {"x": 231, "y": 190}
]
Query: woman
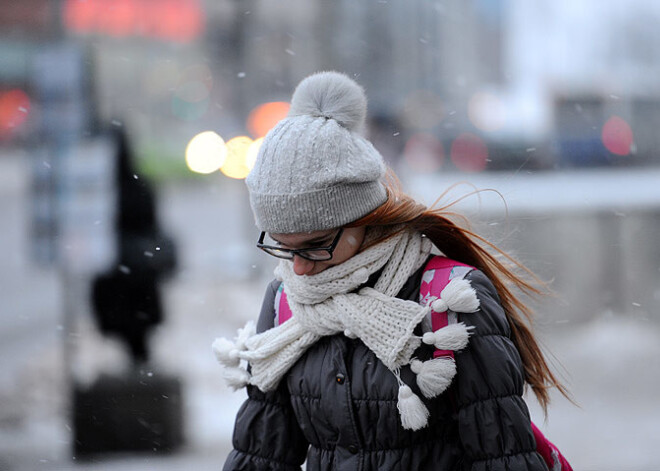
[{"x": 350, "y": 381}]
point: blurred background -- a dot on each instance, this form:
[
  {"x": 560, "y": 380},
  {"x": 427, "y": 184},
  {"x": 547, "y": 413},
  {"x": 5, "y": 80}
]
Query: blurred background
[{"x": 127, "y": 244}]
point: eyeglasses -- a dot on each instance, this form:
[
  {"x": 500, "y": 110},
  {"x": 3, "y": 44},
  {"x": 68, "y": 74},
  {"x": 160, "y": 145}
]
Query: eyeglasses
[{"x": 315, "y": 254}]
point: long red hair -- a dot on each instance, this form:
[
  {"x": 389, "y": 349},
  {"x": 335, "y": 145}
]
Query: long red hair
[{"x": 461, "y": 244}]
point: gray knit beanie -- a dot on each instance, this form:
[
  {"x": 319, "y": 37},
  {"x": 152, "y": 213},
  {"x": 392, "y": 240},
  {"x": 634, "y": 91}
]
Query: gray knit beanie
[{"x": 314, "y": 170}]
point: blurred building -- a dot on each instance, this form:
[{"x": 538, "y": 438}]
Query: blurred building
[
  {"x": 515, "y": 76},
  {"x": 509, "y": 74}
]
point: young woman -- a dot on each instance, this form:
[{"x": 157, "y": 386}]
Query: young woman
[{"x": 356, "y": 376}]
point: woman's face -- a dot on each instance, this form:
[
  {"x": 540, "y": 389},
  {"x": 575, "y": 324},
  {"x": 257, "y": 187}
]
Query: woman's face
[{"x": 348, "y": 245}]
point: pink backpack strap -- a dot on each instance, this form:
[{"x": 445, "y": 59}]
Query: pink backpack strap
[
  {"x": 438, "y": 272},
  {"x": 549, "y": 452},
  {"x": 282, "y": 309}
]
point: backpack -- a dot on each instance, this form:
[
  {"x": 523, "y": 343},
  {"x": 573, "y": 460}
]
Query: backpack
[{"x": 438, "y": 272}]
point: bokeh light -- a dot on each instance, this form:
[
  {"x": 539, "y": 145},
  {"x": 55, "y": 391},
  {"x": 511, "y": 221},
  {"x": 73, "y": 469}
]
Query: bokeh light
[
  {"x": 191, "y": 97},
  {"x": 469, "y": 153},
  {"x": 264, "y": 117},
  {"x": 14, "y": 110},
  {"x": 174, "y": 20},
  {"x": 252, "y": 152},
  {"x": 181, "y": 20},
  {"x": 422, "y": 109},
  {"x": 206, "y": 152},
  {"x": 235, "y": 165},
  {"x": 617, "y": 136},
  {"x": 424, "y": 153},
  {"x": 486, "y": 112},
  {"x": 121, "y": 20},
  {"x": 79, "y": 16}
]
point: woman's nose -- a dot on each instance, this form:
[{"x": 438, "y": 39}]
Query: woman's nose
[{"x": 302, "y": 266}]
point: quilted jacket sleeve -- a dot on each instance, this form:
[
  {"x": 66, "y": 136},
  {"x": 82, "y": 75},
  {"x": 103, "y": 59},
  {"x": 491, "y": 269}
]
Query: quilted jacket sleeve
[
  {"x": 494, "y": 423},
  {"x": 266, "y": 434}
]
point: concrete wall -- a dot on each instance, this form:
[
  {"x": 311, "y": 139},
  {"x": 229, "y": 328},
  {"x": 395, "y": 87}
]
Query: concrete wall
[
  {"x": 597, "y": 262},
  {"x": 593, "y": 233}
]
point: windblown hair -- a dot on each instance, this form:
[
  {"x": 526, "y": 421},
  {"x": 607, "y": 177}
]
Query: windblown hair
[{"x": 463, "y": 245}]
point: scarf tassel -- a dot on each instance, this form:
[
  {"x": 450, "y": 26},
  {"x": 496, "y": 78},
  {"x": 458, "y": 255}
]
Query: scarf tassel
[
  {"x": 413, "y": 412},
  {"x": 244, "y": 334},
  {"x": 236, "y": 378},
  {"x": 228, "y": 354},
  {"x": 458, "y": 295},
  {"x": 452, "y": 337},
  {"x": 434, "y": 376}
]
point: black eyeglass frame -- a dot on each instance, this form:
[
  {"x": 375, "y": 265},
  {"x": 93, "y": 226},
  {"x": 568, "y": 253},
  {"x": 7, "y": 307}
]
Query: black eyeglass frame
[{"x": 288, "y": 254}]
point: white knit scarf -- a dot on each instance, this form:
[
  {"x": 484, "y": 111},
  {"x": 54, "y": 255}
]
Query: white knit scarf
[{"x": 329, "y": 303}]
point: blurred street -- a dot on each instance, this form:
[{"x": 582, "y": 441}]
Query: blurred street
[
  {"x": 552, "y": 108},
  {"x": 609, "y": 362}
]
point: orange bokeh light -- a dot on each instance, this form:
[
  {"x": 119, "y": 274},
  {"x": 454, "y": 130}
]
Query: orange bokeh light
[
  {"x": 264, "y": 117},
  {"x": 469, "y": 153},
  {"x": 14, "y": 110},
  {"x": 617, "y": 136}
]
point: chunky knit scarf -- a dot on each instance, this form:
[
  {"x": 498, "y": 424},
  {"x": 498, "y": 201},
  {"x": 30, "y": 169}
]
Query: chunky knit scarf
[{"x": 330, "y": 302}]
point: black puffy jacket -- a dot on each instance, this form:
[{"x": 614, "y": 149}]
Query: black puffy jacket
[{"x": 337, "y": 406}]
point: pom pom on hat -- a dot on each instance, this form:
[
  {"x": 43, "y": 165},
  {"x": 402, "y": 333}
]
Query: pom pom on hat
[{"x": 331, "y": 95}]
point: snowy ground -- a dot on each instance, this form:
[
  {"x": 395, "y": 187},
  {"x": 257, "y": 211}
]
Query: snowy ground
[{"x": 611, "y": 363}]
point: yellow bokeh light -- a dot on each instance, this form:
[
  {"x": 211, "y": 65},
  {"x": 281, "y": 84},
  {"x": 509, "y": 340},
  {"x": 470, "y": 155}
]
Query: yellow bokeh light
[
  {"x": 206, "y": 152},
  {"x": 252, "y": 152},
  {"x": 235, "y": 165}
]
